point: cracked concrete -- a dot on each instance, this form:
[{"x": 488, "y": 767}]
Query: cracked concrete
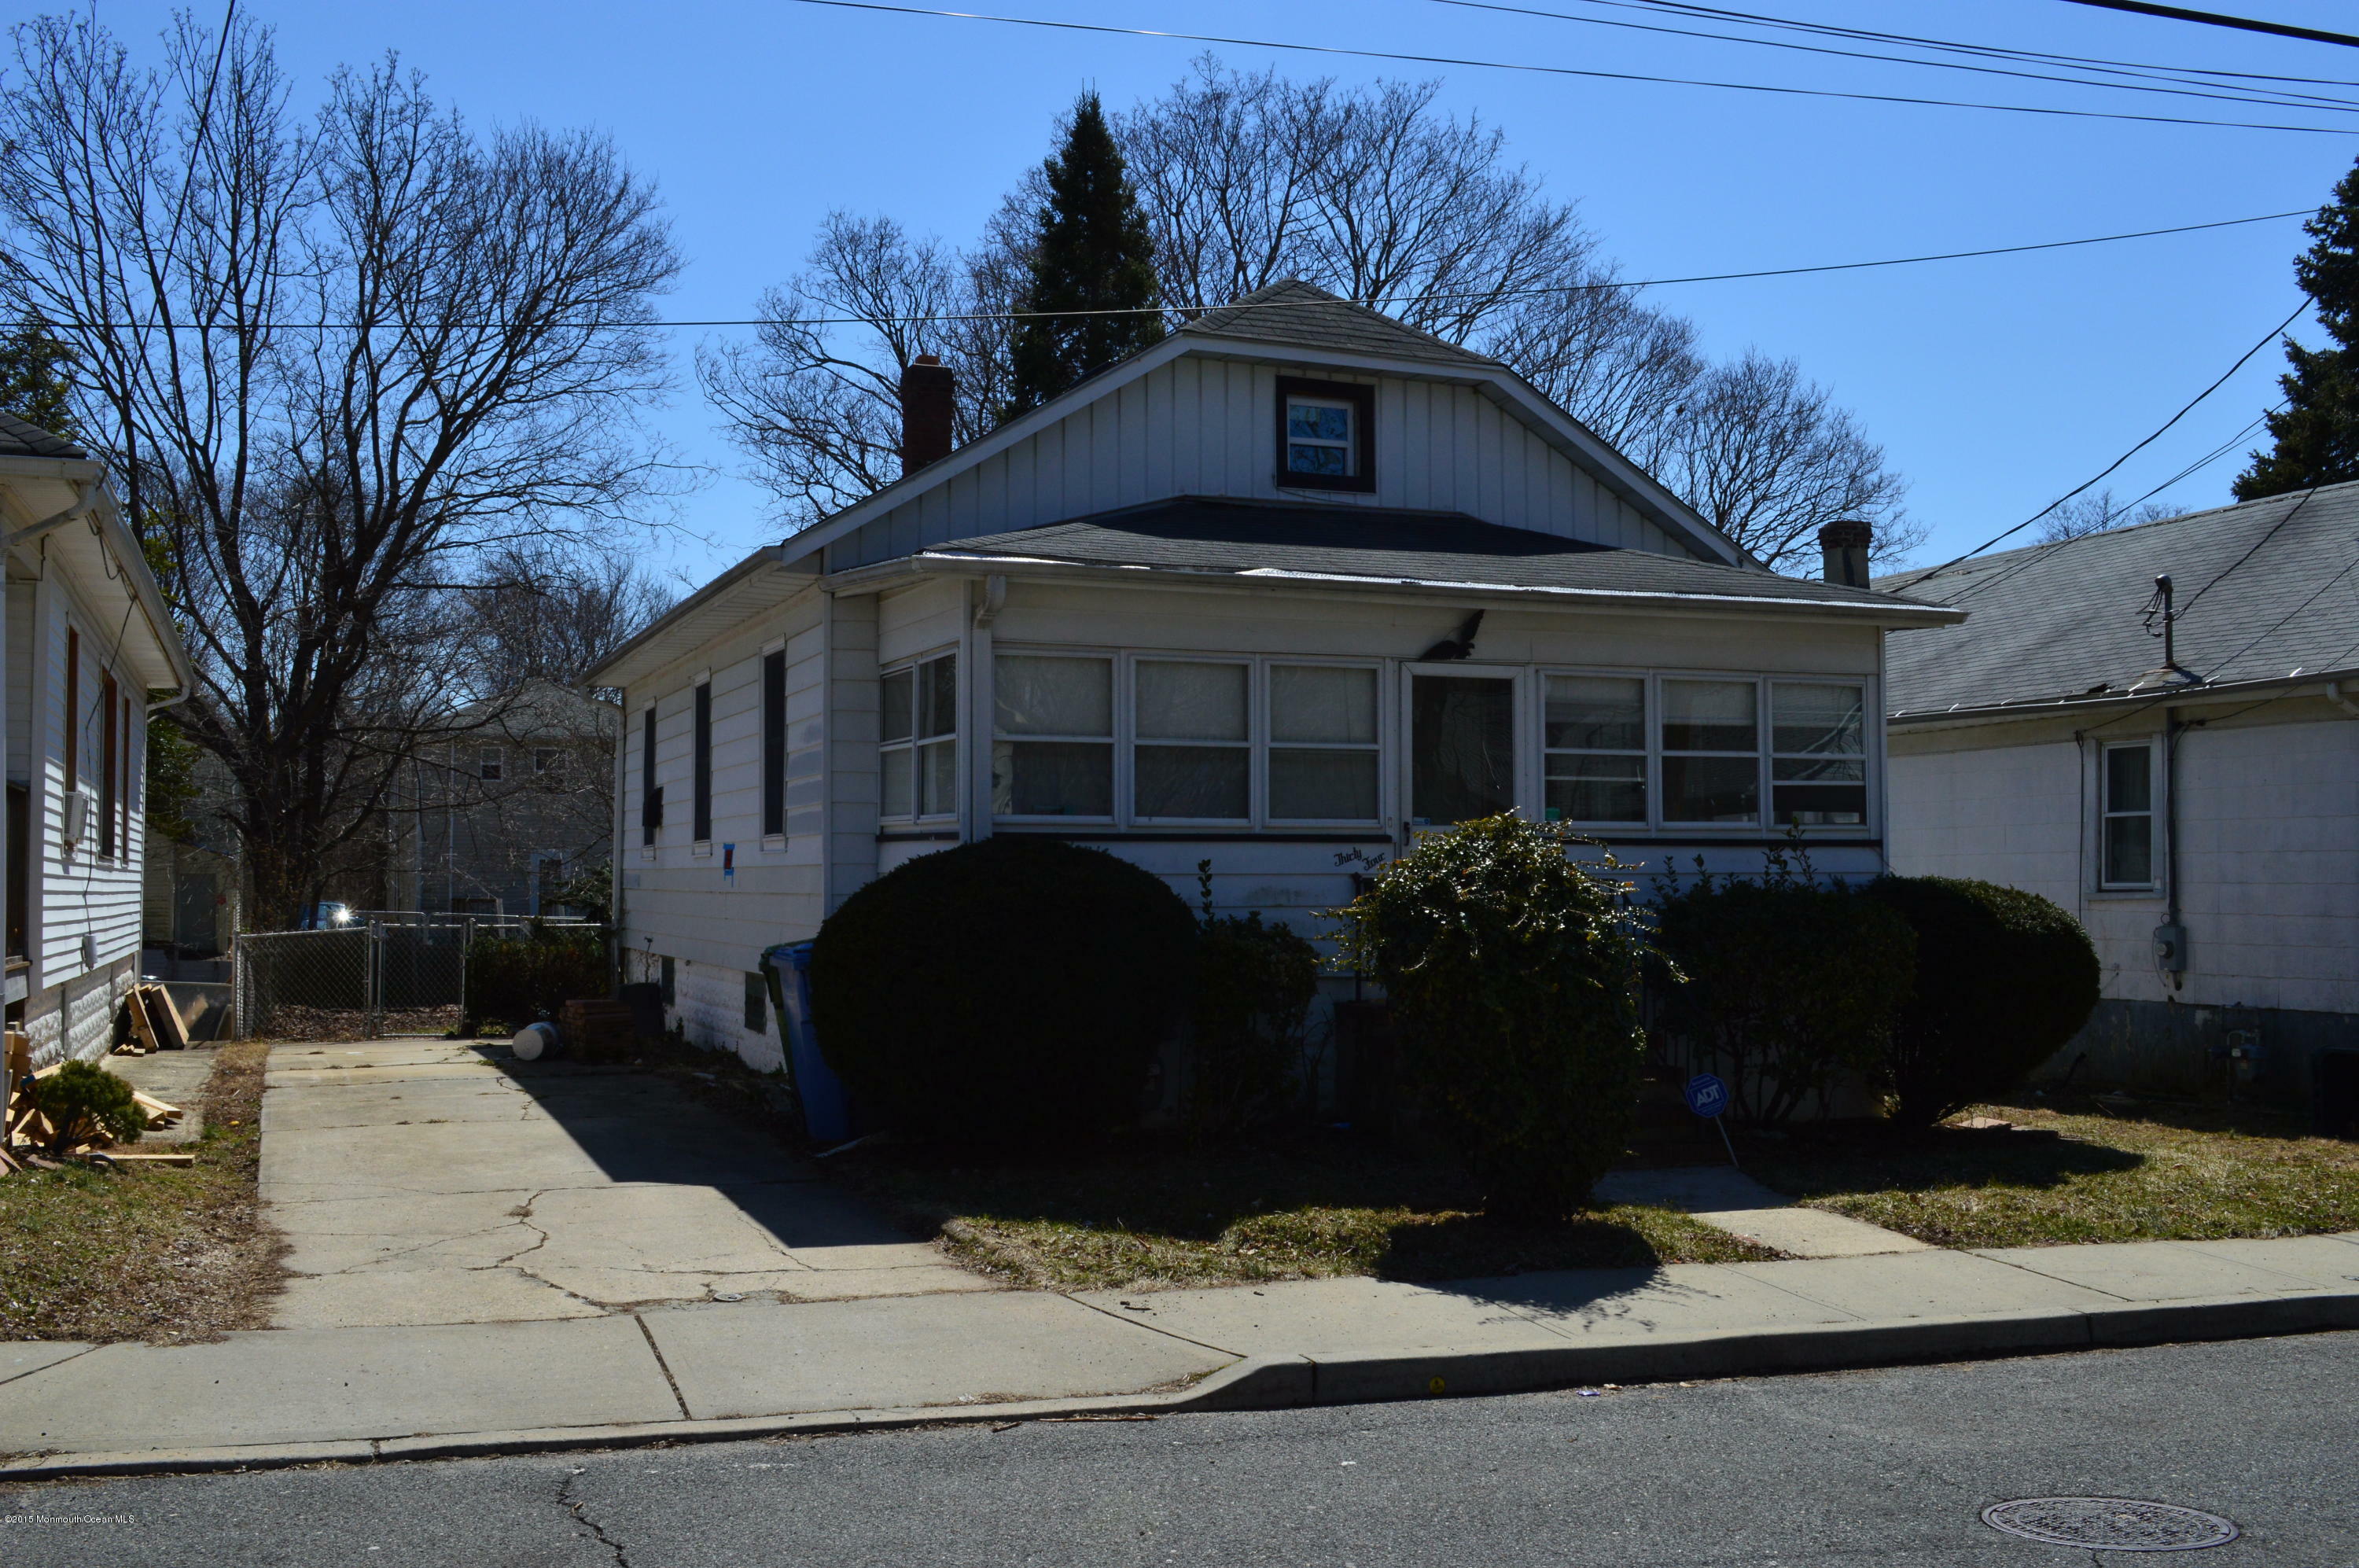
[{"x": 428, "y": 1181}]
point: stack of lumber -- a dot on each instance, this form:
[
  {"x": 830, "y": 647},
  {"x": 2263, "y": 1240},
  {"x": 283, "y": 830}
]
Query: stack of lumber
[
  {"x": 155, "y": 1023},
  {"x": 596, "y": 1027},
  {"x": 24, "y": 1122}
]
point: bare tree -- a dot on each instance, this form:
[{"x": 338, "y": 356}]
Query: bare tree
[
  {"x": 1370, "y": 192},
  {"x": 544, "y": 610},
  {"x": 330, "y": 358},
  {"x": 2095, "y": 512}
]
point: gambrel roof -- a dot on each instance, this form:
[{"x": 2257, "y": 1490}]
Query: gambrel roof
[{"x": 2266, "y": 591}]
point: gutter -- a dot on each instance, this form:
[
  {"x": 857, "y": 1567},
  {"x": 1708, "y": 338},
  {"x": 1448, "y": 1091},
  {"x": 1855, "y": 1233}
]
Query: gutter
[
  {"x": 2330, "y": 687},
  {"x": 2334, "y": 695},
  {"x": 870, "y": 578}
]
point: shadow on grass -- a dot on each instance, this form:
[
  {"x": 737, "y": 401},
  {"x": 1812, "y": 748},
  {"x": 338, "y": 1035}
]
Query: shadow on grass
[
  {"x": 1309, "y": 1204},
  {"x": 1840, "y": 1159}
]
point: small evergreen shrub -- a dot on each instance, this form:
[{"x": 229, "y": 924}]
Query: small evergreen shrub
[
  {"x": 2004, "y": 978},
  {"x": 515, "y": 981},
  {"x": 1513, "y": 978},
  {"x": 1002, "y": 992},
  {"x": 81, "y": 1099},
  {"x": 1790, "y": 985},
  {"x": 1249, "y": 1034}
]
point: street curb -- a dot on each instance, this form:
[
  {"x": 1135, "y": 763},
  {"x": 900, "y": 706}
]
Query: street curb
[{"x": 1282, "y": 1382}]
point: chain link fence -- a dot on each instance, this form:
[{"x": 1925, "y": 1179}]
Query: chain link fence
[{"x": 391, "y": 973}]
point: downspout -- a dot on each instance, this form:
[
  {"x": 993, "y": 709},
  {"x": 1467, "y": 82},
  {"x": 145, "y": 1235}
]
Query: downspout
[
  {"x": 2171, "y": 730},
  {"x": 2335, "y": 694},
  {"x": 619, "y": 833}
]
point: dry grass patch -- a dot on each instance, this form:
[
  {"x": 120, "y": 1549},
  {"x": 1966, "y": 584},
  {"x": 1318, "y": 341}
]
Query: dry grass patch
[
  {"x": 147, "y": 1252},
  {"x": 1165, "y": 1214},
  {"x": 2080, "y": 1170}
]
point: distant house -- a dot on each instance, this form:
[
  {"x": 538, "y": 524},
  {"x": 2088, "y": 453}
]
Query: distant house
[
  {"x": 2194, "y": 799},
  {"x": 1277, "y": 593},
  {"x": 88, "y": 647}
]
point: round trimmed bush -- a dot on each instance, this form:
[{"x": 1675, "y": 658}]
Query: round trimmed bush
[
  {"x": 2004, "y": 978},
  {"x": 1001, "y": 991},
  {"x": 1513, "y": 978}
]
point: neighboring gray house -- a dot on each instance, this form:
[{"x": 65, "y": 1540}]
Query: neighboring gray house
[
  {"x": 523, "y": 800},
  {"x": 2193, "y": 799},
  {"x": 1281, "y": 592}
]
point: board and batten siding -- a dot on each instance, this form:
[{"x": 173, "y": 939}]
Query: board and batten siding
[
  {"x": 669, "y": 892},
  {"x": 1202, "y": 426}
]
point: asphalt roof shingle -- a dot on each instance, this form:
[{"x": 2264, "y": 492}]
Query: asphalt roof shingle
[
  {"x": 2263, "y": 589},
  {"x": 1298, "y": 314},
  {"x": 1207, "y": 534},
  {"x": 20, "y": 438}
]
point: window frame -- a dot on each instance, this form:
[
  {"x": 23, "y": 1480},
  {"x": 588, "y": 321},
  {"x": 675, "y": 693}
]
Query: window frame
[
  {"x": 1648, "y": 752},
  {"x": 1659, "y": 807},
  {"x": 1117, "y": 701},
  {"x": 915, "y": 743},
  {"x": 1362, "y": 395},
  {"x": 1523, "y": 681},
  {"x": 495, "y": 757},
  {"x": 774, "y": 743},
  {"x": 1770, "y": 754},
  {"x": 1265, "y": 743},
  {"x": 701, "y": 763},
  {"x": 650, "y": 785},
  {"x": 1125, "y": 718},
  {"x": 2106, "y": 813}
]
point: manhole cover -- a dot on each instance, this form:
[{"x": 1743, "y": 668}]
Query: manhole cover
[{"x": 2110, "y": 1524}]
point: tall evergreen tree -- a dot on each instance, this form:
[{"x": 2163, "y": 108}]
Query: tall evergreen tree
[
  {"x": 1091, "y": 251},
  {"x": 2317, "y": 433},
  {"x": 37, "y": 379}
]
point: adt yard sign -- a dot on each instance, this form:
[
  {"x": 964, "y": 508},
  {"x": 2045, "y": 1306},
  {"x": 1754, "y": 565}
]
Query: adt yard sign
[{"x": 1707, "y": 1096}]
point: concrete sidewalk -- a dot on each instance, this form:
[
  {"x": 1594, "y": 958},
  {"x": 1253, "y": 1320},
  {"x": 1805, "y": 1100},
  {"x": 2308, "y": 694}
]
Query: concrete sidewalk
[{"x": 683, "y": 1372}]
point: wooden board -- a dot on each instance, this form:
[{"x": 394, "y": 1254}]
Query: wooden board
[
  {"x": 141, "y": 1029},
  {"x": 164, "y": 1018}
]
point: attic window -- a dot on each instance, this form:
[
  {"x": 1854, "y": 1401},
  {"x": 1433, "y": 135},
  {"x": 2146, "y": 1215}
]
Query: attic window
[{"x": 1325, "y": 435}]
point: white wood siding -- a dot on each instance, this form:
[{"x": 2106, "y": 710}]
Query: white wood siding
[
  {"x": 82, "y": 891},
  {"x": 1200, "y": 426}
]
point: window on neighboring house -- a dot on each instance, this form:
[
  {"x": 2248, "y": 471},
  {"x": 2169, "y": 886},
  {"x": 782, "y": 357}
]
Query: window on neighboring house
[
  {"x": 491, "y": 764},
  {"x": 1052, "y": 755},
  {"x": 701, "y": 785},
  {"x": 1324, "y": 438},
  {"x": 920, "y": 736},
  {"x": 1324, "y": 762},
  {"x": 2126, "y": 822},
  {"x": 546, "y": 759},
  {"x": 1193, "y": 759},
  {"x": 110, "y": 763},
  {"x": 1818, "y": 765},
  {"x": 1712, "y": 752},
  {"x": 774, "y": 743},
  {"x": 650, "y": 794},
  {"x": 1593, "y": 730}
]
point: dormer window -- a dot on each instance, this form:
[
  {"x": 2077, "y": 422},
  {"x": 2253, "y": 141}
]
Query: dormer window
[{"x": 1325, "y": 435}]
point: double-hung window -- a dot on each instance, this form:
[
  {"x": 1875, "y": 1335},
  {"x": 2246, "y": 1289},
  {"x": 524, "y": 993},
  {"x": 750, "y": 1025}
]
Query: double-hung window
[
  {"x": 1712, "y": 752},
  {"x": 1594, "y": 729},
  {"x": 650, "y": 792},
  {"x": 1324, "y": 437},
  {"x": 919, "y": 735},
  {"x": 1818, "y": 767},
  {"x": 1193, "y": 759},
  {"x": 1052, "y": 755},
  {"x": 1323, "y": 763},
  {"x": 2125, "y": 820},
  {"x": 701, "y": 764},
  {"x": 491, "y": 764}
]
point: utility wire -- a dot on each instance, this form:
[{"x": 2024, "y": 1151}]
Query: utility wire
[
  {"x": 2141, "y": 446},
  {"x": 1683, "y": 8},
  {"x": 2216, "y": 19},
  {"x": 2280, "y": 101},
  {"x": 1374, "y": 302},
  {"x": 1339, "y": 49}
]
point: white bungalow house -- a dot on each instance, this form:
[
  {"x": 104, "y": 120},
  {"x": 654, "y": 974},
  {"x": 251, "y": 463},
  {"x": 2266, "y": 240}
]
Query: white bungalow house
[
  {"x": 2193, "y": 798},
  {"x": 89, "y": 650},
  {"x": 1277, "y": 592}
]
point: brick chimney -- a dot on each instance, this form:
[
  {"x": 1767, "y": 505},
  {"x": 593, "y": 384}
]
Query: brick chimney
[
  {"x": 926, "y": 392},
  {"x": 1842, "y": 551}
]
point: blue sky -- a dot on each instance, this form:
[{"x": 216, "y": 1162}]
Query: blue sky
[{"x": 1994, "y": 385}]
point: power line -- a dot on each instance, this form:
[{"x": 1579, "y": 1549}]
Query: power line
[
  {"x": 2141, "y": 446},
  {"x": 1342, "y": 50},
  {"x": 2189, "y": 90},
  {"x": 2215, "y": 19},
  {"x": 1373, "y": 302}
]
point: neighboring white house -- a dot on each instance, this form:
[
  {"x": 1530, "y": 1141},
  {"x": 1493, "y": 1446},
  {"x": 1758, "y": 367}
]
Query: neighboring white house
[
  {"x": 1273, "y": 593},
  {"x": 89, "y": 647},
  {"x": 2195, "y": 801}
]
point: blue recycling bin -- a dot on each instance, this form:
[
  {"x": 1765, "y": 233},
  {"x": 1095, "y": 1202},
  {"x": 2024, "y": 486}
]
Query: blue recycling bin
[{"x": 827, "y": 1108}]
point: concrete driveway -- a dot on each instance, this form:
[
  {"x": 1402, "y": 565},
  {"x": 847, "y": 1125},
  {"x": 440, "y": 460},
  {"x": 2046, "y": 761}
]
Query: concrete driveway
[{"x": 438, "y": 1182}]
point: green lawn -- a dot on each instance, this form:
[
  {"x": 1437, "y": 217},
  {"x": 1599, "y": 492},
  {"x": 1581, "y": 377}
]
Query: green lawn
[
  {"x": 147, "y": 1252},
  {"x": 2079, "y": 1171}
]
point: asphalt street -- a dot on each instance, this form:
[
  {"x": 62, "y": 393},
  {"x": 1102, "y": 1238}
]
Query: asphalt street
[{"x": 1888, "y": 1467}]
